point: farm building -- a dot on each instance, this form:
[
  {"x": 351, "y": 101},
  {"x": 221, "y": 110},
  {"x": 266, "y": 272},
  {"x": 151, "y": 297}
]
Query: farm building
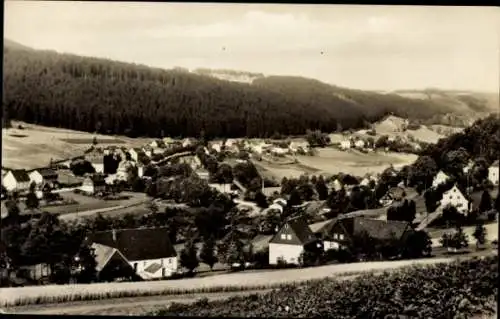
[
  {"x": 335, "y": 185},
  {"x": 493, "y": 172},
  {"x": 343, "y": 231},
  {"x": 147, "y": 250},
  {"x": 43, "y": 175},
  {"x": 148, "y": 150},
  {"x": 454, "y": 197},
  {"x": 359, "y": 143},
  {"x": 439, "y": 179},
  {"x": 188, "y": 142},
  {"x": 17, "y": 180},
  {"x": 270, "y": 191},
  {"x": 223, "y": 188},
  {"x": 291, "y": 240},
  {"x": 468, "y": 167},
  {"x": 319, "y": 228},
  {"x": 94, "y": 184}
]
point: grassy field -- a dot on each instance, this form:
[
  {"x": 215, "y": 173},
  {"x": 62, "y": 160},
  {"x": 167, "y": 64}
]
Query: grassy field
[
  {"x": 35, "y": 145},
  {"x": 333, "y": 161}
]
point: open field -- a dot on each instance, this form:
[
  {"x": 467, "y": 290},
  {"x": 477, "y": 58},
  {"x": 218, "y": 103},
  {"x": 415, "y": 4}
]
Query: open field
[
  {"x": 333, "y": 161},
  {"x": 35, "y": 145}
]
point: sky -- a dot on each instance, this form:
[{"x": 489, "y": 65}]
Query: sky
[{"x": 362, "y": 47}]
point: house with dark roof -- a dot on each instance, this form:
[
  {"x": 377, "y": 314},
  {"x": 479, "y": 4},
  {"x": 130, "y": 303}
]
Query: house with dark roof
[
  {"x": 148, "y": 251},
  {"x": 494, "y": 172},
  {"x": 342, "y": 232},
  {"x": 291, "y": 240},
  {"x": 17, "y": 180},
  {"x": 43, "y": 176}
]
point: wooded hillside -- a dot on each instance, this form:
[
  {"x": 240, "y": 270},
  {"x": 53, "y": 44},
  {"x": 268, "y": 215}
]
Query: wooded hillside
[{"x": 89, "y": 94}]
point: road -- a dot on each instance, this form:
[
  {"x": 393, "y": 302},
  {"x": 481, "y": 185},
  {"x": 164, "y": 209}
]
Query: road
[{"x": 250, "y": 279}]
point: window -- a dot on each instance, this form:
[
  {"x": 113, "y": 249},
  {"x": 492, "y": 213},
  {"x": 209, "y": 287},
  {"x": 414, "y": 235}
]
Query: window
[
  {"x": 144, "y": 264},
  {"x": 169, "y": 261},
  {"x": 161, "y": 262},
  {"x": 283, "y": 236},
  {"x": 335, "y": 236},
  {"x": 135, "y": 266},
  {"x": 341, "y": 236},
  {"x": 289, "y": 237}
]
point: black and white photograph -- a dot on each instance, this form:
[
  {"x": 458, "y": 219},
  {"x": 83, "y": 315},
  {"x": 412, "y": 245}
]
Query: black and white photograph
[{"x": 250, "y": 160}]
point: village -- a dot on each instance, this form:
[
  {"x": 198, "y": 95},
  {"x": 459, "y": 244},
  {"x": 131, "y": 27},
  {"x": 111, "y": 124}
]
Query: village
[{"x": 315, "y": 220}]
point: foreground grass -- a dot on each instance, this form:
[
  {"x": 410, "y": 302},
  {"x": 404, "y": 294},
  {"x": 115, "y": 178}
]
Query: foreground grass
[
  {"x": 13, "y": 297},
  {"x": 448, "y": 290}
]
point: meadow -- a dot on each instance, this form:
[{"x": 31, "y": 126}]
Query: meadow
[{"x": 34, "y": 146}]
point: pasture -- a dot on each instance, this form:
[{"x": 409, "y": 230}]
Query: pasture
[
  {"x": 34, "y": 146},
  {"x": 332, "y": 161}
]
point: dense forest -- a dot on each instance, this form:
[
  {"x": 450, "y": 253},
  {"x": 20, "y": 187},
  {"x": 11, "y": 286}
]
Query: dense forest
[{"x": 91, "y": 94}]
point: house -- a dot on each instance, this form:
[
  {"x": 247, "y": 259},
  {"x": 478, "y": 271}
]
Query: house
[
  {"x": 393, "y": 194},
  {"x": 439, "y": 179},
  {"x": 17, "y": 180},
  {"x": 222, "y": 188},
  {"x": 359, "y": 143},
  {"x": 319, "y": 228},
  {"x": 346, "y": 144},
  {"x": 341, "y": 232},
  {"x": 270, "y": 191},
  {"x": 468, "y": 167},
  {"x": 43, "y": 175},
  {"x": 136, "y": 154},
  {"x": 148, "y": 150},
  {"x": 454, "y": 197},
  {"x": 291, "y": 240},
  {"x": 188, "y": 142},
  {"x": 96, "y": 157},
  {"x": 147, "y": 250},
  {"x": 94, "y": 184},
  {"x": 493, "y": 172},
  {"x": 110, "y": 150},
  {"x": 217, "y": 147},
  {"x": 279, "y": 151},
  {"x": 158, "y": 144},
  {"x": 280, "y": 201},
  {"x": 203, "y": 174},
  {"x": 335, "y": 185},
  {"x": 276, "y": 206}
]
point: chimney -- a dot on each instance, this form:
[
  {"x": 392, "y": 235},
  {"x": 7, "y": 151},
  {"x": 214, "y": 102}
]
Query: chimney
[{"x": 114, "y": 234}]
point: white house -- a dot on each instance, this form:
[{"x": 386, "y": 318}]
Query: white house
[
  {"x": 187, "y": 142},
  {"x": 346, "y": 144},
  {"x": 158, "y": 144},
  {"x": 439, "y": 179},
  {"x": 359, "y": 143},
  {"x": 96, "y": 158},
  {"x": 336, "y": 185},
  {"x": 468, "y": 167},
  {"x": 222, "y": 188},
  {"x": 43, "y": 175},
  {"x": 135, "y": 153},
  {"x": 454, "y": 197},
  {"x": 147, "y": 250},
  {"x": 493, "y": 172},
  {"x": 148, "y": 150},
  {"x": 94, "y": 184},
  {"x": 217, "y": 147},
  {"x": 17, "y": 180},
  {"x": 279, "y": 151},
  {"x": 290, "y": 242}
]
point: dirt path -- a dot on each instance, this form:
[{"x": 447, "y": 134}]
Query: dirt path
[{"x": 122, "y": 306}]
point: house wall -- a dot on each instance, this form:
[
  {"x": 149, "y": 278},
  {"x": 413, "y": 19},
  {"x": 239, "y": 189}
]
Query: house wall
[
  {"x": 493, "y": 174},
  {"x": 10, "y": 183},
  {"x": 36, "y": 177},
  {"x": 289, "y": 253},
  {"x": 99, "y": 167},
  {"x": 169, "y": 264},
  {"x": 439, "y": 179},
  {"x": 87, "y": 188},
  {"x": 455, "y": 198},
  {"x": 327, "y": 245}
]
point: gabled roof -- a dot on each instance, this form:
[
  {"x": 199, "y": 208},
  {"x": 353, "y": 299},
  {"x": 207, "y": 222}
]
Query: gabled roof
[
  {"x": 103, "y": 254},
  {"x": 20, "y": 175},
  {"x": 301, "y": 230},
  {"x": 376, "y": 228},
  {"x": 139, "y": 243},
  {"x": 160, "y": 143},
  {"x": 496, "y": 163}
]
